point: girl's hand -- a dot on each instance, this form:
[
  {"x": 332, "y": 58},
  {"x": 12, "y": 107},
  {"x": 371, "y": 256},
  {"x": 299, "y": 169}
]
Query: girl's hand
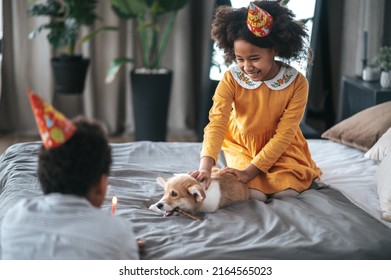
[
  {"x": 245, "y": 175},
  {"x": 203, "y": 176},
  {"x": 204, "y": 172},
  {"x": 240, "y": 174}
]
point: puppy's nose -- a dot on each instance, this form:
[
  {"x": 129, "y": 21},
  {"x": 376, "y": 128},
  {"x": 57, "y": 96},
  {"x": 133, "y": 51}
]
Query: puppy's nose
[{"x": 159, "y": 205}]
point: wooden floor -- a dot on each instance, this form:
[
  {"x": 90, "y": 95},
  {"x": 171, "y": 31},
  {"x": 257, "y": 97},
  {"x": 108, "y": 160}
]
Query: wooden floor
[{"x": 7, "y": 140}]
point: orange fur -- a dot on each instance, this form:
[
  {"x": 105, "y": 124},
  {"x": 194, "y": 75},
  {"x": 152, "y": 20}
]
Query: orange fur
[{"x": 187, "y": 193}]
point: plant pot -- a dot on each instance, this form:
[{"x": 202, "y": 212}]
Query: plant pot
[
  {"x": 151, "y": 95},
  {"x": 69, "y": 73},
  {"x": 371, "y": 73},
  {"x": 385, "y": 79}
]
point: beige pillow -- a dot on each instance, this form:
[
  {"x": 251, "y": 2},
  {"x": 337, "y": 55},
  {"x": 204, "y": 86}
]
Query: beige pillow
[
  {"x": 381, "y": 148},
  {"x": 363, "y": 129},
  {"x": 383, "y": 182}
]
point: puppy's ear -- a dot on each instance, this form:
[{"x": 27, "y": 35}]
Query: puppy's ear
[
  {"x": 197, "y": 191},
  {"x": 161, "y": 181}
]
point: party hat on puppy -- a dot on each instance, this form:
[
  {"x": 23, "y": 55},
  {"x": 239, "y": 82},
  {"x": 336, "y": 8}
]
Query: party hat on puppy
[
  {"x": 54, "y": 127},
  {"x": 259, "y": 22}
]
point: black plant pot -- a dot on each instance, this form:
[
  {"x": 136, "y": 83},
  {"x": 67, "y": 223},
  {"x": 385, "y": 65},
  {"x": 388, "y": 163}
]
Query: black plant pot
[
  {"x": 69, "y": 73},
  {"x": 151, "y": 95}
]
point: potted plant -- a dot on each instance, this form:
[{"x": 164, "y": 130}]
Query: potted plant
[
  {"x": 66, "y": 18},
  {"x": 151, "y": 83},
  {"x": 383, "y": 60}
]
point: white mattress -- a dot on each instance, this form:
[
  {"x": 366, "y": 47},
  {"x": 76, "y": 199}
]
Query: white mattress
[{"x": 347, "y": 170}]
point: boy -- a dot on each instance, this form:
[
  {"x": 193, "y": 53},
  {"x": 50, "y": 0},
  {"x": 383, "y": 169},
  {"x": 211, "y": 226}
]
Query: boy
[{"x": 66, "y": 223}]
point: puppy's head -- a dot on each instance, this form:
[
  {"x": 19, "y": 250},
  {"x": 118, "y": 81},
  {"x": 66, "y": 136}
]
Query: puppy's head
[{"x": 181, "y": 190}]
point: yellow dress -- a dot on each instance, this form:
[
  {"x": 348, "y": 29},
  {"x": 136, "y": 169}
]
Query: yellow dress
[{"x": 258, "y": 123}]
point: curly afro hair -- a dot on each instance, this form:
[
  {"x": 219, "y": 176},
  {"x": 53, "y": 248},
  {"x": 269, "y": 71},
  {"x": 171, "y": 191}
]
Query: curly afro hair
[
  {"x": 77, "y": 165},
  {"x": 288, "y": 37}
]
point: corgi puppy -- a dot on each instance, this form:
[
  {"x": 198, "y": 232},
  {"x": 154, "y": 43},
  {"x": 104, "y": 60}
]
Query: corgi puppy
[{"x": 185, "y": 192}]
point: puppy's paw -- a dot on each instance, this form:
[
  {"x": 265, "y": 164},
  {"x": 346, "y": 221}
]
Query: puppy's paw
[{"x": 154, "y": 208}]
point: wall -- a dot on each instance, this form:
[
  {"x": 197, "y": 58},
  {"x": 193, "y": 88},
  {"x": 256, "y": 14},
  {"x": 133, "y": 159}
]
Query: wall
[
  {"x": 345, "y": 23},
  {"x": 361, "y": 15}
]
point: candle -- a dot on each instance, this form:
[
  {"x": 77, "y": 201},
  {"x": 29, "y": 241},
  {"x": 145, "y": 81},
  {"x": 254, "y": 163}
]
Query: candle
[
  {"x": 365, "y": 54},
  {"x": 113, "y": 204}
]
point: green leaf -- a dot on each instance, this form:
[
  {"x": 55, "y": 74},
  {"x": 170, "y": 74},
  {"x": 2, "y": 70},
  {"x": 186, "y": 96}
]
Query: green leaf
[
  {"x": 81, "y": 10},
  {"x": 160, "y": 7},
  {"x": 52, "y": 9},
  {"x": 383, "y": 58},
  {"x": 66, "y": 17},
  {"x": 154, "y": 23},
  {"x": 165, "y": 36},
  {"x": 38, "y": 30},
  {"x": 127, "y": 9},
  {"x": 89, "y": 36},
  {"x": 115, "y": 66},
  {"x": 172, "y": 5}
]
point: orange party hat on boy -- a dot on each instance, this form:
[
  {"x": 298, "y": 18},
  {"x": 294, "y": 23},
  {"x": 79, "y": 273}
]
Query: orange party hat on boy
[
  {"x": 259, "y": 22},
  {"x": 54, "y": 127}
]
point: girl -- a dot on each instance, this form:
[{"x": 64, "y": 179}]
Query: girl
[{"x": 258, "y": 105}]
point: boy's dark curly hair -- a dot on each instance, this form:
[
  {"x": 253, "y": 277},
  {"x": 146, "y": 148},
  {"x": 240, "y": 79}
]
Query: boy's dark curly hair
[
  {"x": 77, "y": 165},
  {"x": 288, "y": 37}
]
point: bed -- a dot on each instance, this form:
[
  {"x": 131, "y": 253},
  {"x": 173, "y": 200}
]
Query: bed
[{"x": 339, "y": 218}]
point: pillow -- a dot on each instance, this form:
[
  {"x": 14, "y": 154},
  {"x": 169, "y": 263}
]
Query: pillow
[
  {"x": 363, "y": 129},
  {"x": 381, "y": 148},
  {"x": 383, "y": 182}
]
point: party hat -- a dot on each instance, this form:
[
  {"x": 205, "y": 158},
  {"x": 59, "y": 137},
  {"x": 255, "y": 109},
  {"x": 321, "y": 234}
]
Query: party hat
[
  {"x": 53, "y": 126},
  {"x": 259, "y": 21}
]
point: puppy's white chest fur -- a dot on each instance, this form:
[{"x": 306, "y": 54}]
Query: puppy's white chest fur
[{"x": 213, "y": 196}]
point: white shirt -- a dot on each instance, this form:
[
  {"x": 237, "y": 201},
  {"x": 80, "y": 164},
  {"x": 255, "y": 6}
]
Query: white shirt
[{"x": 58, "y": 226}]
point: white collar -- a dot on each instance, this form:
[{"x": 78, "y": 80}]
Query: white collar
[{"x": 283, "y": 79}]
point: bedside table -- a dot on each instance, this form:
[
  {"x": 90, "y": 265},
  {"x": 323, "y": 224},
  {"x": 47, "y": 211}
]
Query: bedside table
[{"x": 357, "y": 95}]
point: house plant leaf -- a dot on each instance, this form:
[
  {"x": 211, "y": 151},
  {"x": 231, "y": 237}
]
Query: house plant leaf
[
  {"x": 150, "y": 83},
  {"x": 65, "y": 20},
  {"x": 115, "y": 66},
  {"x": 154, "y": 24}
]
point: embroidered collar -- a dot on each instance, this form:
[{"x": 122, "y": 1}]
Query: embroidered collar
[{"x": 283, "y": 79}]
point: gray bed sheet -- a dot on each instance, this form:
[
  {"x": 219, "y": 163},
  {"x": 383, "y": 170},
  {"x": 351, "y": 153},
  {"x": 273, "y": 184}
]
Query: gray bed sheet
[{"x": 321, "y": 223}]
